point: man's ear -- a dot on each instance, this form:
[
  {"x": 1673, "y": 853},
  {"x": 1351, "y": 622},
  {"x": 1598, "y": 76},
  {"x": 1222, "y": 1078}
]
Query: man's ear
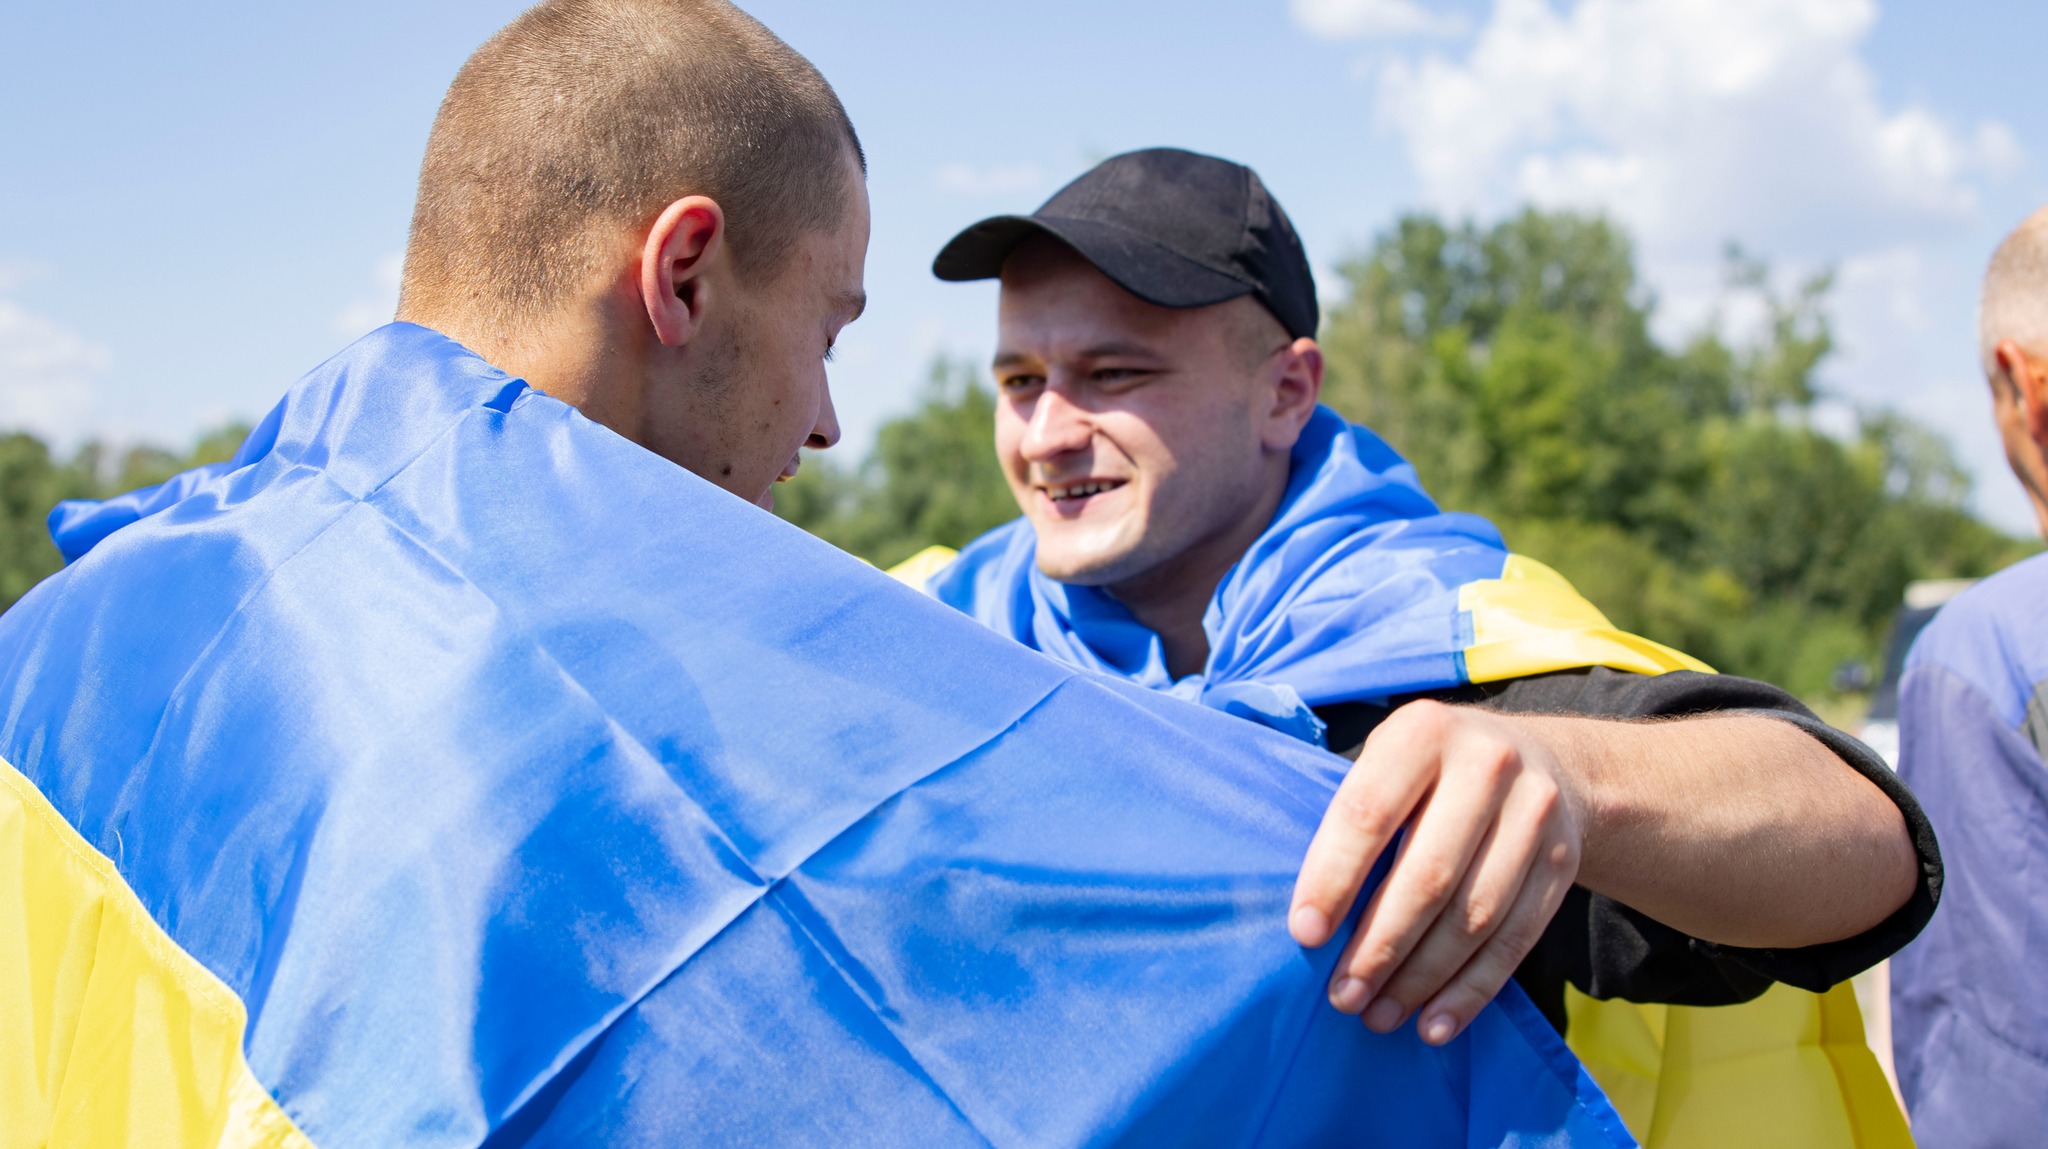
[
  {"x": 2033, "y": 381},
  {"x": 2027, "y": 376},
  {"x": 687, "y": 238},
  {"x": 1297, "y": 388}
]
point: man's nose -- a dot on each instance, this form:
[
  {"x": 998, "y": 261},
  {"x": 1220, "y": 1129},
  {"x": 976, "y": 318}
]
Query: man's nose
[
  {"x": 1058, "y": 426},
  {"x": 825, "y": 431}
]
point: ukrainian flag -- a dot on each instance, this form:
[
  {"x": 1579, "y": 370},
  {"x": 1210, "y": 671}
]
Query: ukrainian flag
[
  {"x": 448, "y": 771},
  {"x": 1361, "y": 589}
]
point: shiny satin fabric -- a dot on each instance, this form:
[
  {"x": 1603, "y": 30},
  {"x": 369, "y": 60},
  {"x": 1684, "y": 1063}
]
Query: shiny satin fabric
[
  {"x": 526, "y": 789},
  {"x": 1790, "y": 1069},
  {"x": 111, "y": 1037}
]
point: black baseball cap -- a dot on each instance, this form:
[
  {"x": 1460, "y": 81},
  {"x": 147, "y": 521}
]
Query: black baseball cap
[{"x": 1174, "y": 228}]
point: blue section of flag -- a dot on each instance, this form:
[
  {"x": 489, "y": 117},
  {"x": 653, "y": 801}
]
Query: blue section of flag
[
  {"x": 530, "y": 790},
  {"x": 1349, "y": 595}
]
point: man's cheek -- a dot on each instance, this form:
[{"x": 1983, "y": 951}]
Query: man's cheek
[
  {"x": 1017, "y": 474},
  {"x": 1009, "y": 440}
]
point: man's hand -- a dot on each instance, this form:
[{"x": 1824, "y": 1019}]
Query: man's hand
[
  {"x": 1495, "y": 830},
  {"x": 1736, "y": 828}
]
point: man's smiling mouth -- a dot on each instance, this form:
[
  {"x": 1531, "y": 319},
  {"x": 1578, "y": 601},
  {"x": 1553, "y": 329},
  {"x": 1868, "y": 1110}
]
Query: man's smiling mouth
[{"x": 1064, "y": 492}]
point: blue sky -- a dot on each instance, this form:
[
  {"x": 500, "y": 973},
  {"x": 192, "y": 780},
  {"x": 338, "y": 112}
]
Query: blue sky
[{"x": 197, "y": 203}]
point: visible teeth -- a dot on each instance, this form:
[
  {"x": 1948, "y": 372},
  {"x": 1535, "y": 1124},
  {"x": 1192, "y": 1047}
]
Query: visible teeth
[{"x": 1077, "y": 491}]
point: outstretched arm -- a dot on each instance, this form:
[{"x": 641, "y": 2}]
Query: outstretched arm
[{"x": 1734, "y": 828}]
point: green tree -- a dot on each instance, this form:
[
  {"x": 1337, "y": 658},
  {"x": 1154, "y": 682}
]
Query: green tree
[
  {"x": 1686, "y": 492},
  {"x": 33, "y": 480},
  {"x": 932, "y": 478}
]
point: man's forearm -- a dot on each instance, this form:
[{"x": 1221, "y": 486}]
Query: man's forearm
[{"x": 1736, "y": 829}]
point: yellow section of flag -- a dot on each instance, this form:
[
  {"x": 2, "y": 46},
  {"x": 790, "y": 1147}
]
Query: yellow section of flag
[
  {"x": 1531, "y": 621},
  {"x": 115, "y": 1037},
  {"x": 920, "y": 567},
  {"x": 1788, "y": 1069}
]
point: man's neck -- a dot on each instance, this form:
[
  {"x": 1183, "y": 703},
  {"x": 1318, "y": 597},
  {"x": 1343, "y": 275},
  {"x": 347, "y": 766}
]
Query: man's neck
[
  {"x": 575, "y": 356},
  {"x": 1172, "y": 604},
  {"x": 1172, "y": 598}
]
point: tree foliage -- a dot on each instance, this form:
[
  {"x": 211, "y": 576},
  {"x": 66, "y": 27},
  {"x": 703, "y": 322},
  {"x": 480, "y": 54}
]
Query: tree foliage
[
  {"x": 1687, "y": 492},
  {"x": 33, "y": 480},
  {"x": 1685, "y": 489}
]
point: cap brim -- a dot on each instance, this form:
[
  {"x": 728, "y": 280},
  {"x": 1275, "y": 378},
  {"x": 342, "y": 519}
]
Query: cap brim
[{"x": 1131, "y": 261}]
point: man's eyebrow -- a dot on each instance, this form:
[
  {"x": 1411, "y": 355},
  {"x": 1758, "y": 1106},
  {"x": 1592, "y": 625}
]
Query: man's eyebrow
[
  {"x": 1097, "y": 351},
  {"x": 1118, "y": 347}
]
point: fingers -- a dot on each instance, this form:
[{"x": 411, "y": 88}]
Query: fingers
[
  {"x": 1472, "y": 917},
  {"x": 1371, "y": 804},
  {"x": 1516, "y": 882},
  {"x": 1432, "y": 868},
  {"x": 1491, "y": 849},
  {"x": 1452, "y": 1009}
]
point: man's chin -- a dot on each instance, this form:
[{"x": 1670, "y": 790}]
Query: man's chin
[{"x": 1089, "y": 562}]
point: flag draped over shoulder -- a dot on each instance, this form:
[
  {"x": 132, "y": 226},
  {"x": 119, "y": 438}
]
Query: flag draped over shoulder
[
  {"x": 1360, "y": 590},
  {"x": 445, "y": 770}
]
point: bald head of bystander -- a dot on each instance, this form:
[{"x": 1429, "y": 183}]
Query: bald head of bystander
[
  {"x": 2012, "y": 331},
  {"x": 1969, "y": 1026}
]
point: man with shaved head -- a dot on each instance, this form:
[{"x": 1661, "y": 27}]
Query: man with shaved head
[
  {"x": 1969, "y": 1022},
  {"x": 549, "y": 237},
  {"x": 464, "y": 764}
]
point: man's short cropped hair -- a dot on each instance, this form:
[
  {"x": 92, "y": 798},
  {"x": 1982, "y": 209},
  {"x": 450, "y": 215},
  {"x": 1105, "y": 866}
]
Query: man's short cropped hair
[
  {"x": 584, "y": 118},
  {"x": 2015, "y": 301}
]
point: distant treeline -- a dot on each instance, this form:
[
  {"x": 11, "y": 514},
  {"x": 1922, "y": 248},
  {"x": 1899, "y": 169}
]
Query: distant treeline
[
  {"x": 33, "y": 480},
  {"x": 1685, "y": 490}
]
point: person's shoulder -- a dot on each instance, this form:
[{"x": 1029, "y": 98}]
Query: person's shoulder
[
  {"x": 982, "y": 566},
  {"x": 1993, "y": 635},
  {"x": 2006, "y": 610},
  {"x": 1003, "y": 547},
  {"x": 997, "y": 541}
]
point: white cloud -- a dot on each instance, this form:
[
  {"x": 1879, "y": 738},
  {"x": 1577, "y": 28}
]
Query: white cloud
[
  {"x": 1367, "y": 19},
  {"x": 47, "y": 371},
  {"x": 1691, "y": 121},
  {"x": 1694, "y": 122},
  {"x": 1998, "y": 149},
  {"x": 972, "y": 180},
  {"x": 375, "y": 307}
]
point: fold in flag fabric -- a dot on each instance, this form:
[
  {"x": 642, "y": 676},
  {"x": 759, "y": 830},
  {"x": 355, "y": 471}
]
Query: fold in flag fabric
[{"x": 446, "y": 770}]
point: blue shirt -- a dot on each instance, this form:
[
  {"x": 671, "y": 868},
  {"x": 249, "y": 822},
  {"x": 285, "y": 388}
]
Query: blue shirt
[{"x": 1970, "y": 1020}]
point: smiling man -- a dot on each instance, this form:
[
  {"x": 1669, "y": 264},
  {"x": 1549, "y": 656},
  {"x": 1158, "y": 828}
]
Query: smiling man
[{"x": 1581, "y": 806}]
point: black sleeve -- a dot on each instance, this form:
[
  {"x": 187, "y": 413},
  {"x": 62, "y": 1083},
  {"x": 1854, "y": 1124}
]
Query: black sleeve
[{"x": 1607, "y": 949}]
